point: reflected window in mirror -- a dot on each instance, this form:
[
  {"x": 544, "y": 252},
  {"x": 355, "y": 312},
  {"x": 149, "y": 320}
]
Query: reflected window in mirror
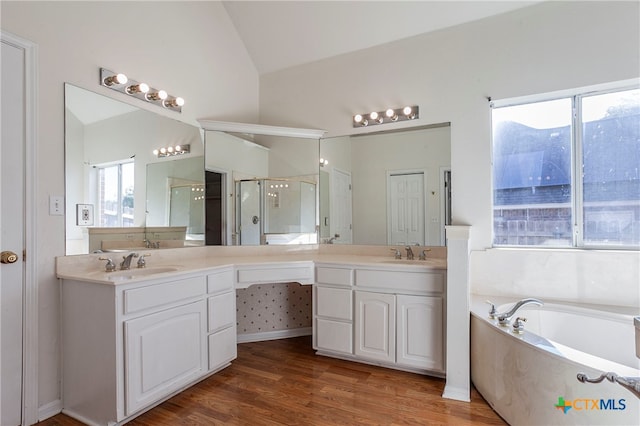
[{"x": 115, "y": 195}]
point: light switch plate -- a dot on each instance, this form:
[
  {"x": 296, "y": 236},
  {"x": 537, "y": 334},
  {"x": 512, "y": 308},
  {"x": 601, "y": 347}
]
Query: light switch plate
[
  {"x": 56, "y": 205},
  {"x": 84, "y": 214}
]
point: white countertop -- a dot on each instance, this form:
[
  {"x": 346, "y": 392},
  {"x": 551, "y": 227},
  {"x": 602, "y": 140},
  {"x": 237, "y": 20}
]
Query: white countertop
[{"x": 167, "y": 262}]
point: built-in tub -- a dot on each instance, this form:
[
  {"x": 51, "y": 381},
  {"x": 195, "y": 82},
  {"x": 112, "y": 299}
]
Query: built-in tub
[{"x": 524, "y": 377}]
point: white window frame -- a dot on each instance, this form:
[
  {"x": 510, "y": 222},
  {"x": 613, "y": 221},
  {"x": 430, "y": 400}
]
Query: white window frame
[
  {"x": 99, "y": 200},
  {"x": 577, "y": 195}
]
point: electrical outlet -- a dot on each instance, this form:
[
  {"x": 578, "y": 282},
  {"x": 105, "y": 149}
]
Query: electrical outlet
[
  {"x": 56, "y": 205},
  {"x": 84, "y": 214}
]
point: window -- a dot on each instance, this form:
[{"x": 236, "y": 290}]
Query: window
[
  {"x": 566, "y": 171},
  {"x": 115, "y": 189}
]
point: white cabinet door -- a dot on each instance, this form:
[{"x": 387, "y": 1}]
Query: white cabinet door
[
  {"x": 375, "y": 326},
  {"x": 420, "y": 332},
  {"x": 164, "y": 352}
]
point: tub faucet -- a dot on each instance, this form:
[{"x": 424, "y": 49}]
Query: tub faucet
[
  {"x": 504, "y": 318},
  {"x": 126, "y": 261}
]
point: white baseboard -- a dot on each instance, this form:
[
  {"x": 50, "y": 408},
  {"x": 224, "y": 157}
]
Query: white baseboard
[
  {"x": 274, "y": 335},
  {"x": 49, "y": 410}
]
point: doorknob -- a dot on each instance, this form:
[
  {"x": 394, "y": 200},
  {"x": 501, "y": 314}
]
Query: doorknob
[{"x": 8, "y": 257}]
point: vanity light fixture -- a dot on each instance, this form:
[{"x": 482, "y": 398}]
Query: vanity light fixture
[
  {"x": 323, "y": 162},
  {"x": 390, "y": 115},
  {"x": 170, "y": 151},
  {"x": 142, "y": 91}
]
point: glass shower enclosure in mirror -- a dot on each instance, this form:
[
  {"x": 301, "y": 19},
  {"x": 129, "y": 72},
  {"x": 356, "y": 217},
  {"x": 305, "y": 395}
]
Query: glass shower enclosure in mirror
[
  {"x": 118, "y": 193},
  {"x": 269, "y": 178},
  {"x": 275, "y": 211},
  {"x": 386, "y": 188}
]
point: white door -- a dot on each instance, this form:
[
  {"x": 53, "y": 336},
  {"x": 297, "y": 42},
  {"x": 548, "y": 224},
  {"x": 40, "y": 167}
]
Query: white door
[
  {"x": 376, "y": 326},
  {"x": 406, "y": 209},
  {"x": 341, "y": 207},
  {"x": 11, "y": 232}
]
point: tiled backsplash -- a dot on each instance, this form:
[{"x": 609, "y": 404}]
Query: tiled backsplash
[{"x": 273, "y": 307}]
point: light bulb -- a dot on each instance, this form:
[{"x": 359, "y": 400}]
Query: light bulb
[
  {"x": 406, "y": 111},
  {"x": 357, "y": 118},
  {"x": 173, "y": 103},
  {"x": 170, "y": 149},
  {"x": 155, "y": 152},
  {"x": 138, "y": 88},
  {"x": 373, "y": 115},
  {"x": 116, "y": 79},
  {"x": 163, "y": 150},
  {"x": 160, "y": 95},
  {"x": 178, "y": 148}
]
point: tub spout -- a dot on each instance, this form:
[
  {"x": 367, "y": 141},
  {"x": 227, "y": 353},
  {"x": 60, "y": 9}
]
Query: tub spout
[
  {"x": 630, "y": 383},
  {"x": 505, "y": 318}
]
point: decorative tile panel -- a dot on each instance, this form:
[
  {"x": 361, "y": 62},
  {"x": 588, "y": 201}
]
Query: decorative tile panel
[{"x": 273, "y": 307}]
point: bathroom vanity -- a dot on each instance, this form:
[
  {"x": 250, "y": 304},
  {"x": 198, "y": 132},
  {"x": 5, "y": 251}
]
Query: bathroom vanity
[{"x": 132, "y": 339}]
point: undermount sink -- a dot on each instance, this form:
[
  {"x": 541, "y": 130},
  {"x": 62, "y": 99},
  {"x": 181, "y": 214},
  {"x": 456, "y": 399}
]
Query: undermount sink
[{"x": 140, "y": 272}]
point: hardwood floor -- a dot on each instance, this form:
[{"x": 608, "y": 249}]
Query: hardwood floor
[{"x": 283, "y": 382}]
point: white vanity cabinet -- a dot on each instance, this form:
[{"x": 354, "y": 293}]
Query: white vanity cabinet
[
  {"x": 333, "y": 310},
  {"x": 128, "y": 346},
  {"x": 388, "y": 316}
]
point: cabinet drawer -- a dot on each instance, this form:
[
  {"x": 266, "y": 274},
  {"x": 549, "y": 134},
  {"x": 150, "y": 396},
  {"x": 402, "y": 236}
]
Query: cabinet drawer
[
  {"x": 334, "y": 335},
  {"x": 335, "y": 303},
  {"x": 222, "y": 347},
  {"x": 428, "y": 282},
  {"x": 338, "y": 276},
  {"x": 222, "y": 311},
  {"x": 220, "y": 282},
  {"x": 301, "y": 274},
  {"x": 152, "y": 296}
]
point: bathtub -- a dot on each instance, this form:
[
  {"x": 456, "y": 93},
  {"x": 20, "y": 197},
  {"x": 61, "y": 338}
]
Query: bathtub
[{"x": 530, "y": 378}]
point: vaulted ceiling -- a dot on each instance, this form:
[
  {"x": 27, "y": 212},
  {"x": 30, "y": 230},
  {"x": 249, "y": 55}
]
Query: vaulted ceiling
[{"x": 282, "y": 34}]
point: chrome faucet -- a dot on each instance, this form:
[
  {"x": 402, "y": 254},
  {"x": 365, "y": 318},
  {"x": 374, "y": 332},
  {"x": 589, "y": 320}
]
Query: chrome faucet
[
  {"x": 126, "y": 262},
  {"x": 142, "y": 263},
  {"x": 505, "y": 318},
  {"x": 409, "y": 253},
  {"x": 423, "y": 254},
  {"x": 332, "y": 239}
]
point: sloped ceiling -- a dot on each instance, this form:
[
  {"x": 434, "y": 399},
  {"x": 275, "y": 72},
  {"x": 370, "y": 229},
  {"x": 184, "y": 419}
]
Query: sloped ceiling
[{"x": 282, "y": 34}]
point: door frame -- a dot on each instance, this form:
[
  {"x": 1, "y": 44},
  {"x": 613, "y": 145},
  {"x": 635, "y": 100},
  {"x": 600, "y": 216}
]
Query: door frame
[
  {"x": 425, "y": 205},
  {"x": 30, "y": 354}
]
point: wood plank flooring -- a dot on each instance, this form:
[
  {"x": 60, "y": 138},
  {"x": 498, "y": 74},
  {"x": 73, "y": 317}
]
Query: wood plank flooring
[{"x": 283, "y": 382}]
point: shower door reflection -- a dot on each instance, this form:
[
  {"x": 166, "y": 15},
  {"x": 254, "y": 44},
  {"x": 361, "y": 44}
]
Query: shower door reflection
[{"x": 276, "y": 211}]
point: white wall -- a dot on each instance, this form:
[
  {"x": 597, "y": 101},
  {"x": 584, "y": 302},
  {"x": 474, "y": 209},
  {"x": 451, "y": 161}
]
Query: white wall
[
  {"x": 189, "y": 48},
  {"x": 449, "y": 74},
  {"x": 424, "y": 150}
]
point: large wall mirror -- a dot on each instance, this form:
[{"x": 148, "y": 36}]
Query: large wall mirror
[
  {"x": 262, "y": 184},
  {"x": 386, "y": 188},
  {"x": 119, "y": 194}
]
